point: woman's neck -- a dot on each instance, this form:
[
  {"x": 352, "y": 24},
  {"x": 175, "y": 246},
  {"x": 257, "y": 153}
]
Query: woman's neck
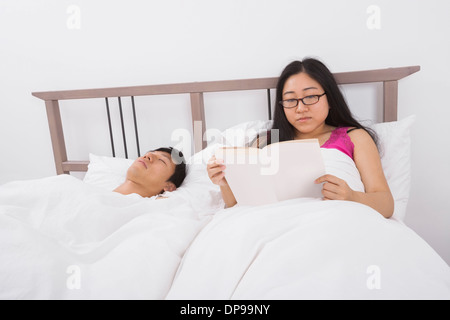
[{"x": 318, "y": 133}]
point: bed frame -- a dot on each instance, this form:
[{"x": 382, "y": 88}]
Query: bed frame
[{"x": 389, "y": 77}]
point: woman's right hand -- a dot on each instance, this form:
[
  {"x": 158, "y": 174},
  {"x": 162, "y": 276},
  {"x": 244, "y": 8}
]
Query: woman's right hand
[{"x": 216, "y": 172}]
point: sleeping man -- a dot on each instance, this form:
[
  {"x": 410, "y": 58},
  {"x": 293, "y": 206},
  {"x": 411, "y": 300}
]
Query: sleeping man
[{"x": 157, "y": 171}]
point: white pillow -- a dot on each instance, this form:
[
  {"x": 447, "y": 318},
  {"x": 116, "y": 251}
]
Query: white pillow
[
  {"x": 106, "y": 172},
  {"x": 395, "y": 153},
  {"x": 197, "y": 188}
]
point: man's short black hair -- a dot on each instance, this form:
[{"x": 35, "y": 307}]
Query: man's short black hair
[{"x": 180, "y": 165}]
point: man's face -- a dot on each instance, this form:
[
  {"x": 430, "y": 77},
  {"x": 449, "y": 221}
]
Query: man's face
[{"x": 152, "y": 170}]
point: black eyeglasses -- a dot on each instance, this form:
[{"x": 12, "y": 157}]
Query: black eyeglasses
[{"x": 307, "y": 101}]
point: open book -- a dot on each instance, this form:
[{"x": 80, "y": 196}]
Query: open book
[{"x": 279, "y": 171}]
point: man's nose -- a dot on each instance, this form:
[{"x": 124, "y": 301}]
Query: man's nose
[{"x": 149, "y": 157}]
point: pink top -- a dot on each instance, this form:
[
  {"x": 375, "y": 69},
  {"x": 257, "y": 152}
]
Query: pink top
[{"x": 340, "y": 140}]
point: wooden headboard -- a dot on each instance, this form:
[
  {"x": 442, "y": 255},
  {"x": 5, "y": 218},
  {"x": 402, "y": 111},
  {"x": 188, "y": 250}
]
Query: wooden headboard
[{"x": 389, "y": 77}]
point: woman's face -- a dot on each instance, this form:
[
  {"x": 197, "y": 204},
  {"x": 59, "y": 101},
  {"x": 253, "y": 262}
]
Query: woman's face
[{"x": 306, "y": 119}]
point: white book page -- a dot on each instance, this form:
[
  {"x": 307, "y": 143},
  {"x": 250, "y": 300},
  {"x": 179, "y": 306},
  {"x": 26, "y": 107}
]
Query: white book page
[
  {"x": 243, "y": 175},
  {"x": 300, "y": 162}
]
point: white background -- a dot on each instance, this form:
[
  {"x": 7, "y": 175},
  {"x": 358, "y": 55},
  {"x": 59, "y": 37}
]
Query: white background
[{"x": 126, "y": 43}]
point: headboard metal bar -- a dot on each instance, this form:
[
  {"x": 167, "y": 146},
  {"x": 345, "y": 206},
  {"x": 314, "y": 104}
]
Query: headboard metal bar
[
  {"x": 110, "y": 127},
  {"x": 123, "y": 128},
  {"x": 269, "y": 104},
  {"x": 135, "y": 127}
]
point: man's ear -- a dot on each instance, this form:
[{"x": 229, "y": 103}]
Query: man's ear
[{"x": 170, "y": 186}]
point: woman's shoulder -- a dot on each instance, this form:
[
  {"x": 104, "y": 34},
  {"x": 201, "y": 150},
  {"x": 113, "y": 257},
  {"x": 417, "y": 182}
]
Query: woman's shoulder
[
  {"x": 354, "y": 131},
  {"x": 359, "y": 136}
]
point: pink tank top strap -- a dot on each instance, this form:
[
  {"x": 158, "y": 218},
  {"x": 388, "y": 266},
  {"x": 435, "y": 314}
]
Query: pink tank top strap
[{"x": 340, "y": 140}]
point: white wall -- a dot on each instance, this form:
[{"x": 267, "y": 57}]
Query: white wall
[{"x": 124, "y": 43}]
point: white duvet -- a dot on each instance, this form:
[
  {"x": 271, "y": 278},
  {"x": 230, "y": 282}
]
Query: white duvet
[
  {"x": 310, "y": 249},
  {"x": 61, "y": 238}
]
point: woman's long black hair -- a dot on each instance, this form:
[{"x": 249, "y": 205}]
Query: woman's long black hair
[{"x": 339, "y": 114}]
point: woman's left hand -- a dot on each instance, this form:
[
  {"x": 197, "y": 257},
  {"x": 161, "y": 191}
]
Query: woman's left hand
[{"x": 334, "y": 188}]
